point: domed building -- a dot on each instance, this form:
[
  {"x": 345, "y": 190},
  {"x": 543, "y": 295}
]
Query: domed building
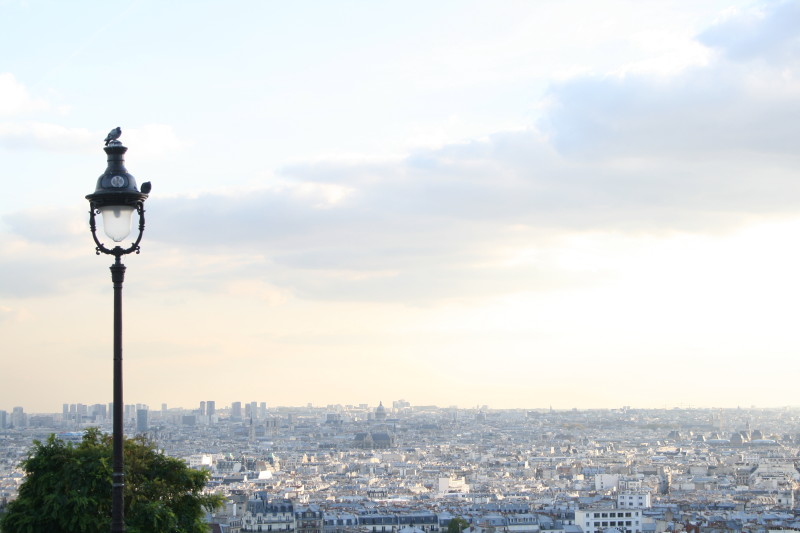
[
  {"x": 380, "y": 413},
  {"x": 379, "y": 436},
  {"x": 374, "y": 440}
]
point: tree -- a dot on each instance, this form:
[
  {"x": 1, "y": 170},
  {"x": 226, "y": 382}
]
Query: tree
[
  {"x": 67, "y": 489},
  {"x": 457, "y": 525}
]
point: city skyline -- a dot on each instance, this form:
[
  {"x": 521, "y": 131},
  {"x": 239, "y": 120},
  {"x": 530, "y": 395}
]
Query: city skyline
[
  {"x": 228, "y": 409},
  {"x": 585, "y": 204},
  {"x": 525, "y": 471}
]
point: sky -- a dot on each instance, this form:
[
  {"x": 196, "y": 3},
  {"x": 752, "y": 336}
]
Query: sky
[{"x": 551, "y": 203}]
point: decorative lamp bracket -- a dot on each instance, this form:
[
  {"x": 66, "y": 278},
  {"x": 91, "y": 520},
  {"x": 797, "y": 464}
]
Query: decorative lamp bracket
[{"x": 116, "y": 251}]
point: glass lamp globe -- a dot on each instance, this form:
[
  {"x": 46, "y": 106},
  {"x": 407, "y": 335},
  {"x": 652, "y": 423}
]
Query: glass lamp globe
[{"x": 117, "y": 221}]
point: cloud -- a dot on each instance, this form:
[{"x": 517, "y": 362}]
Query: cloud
[
  {"x": 43, "y": 252},
  {"x": 701, "y": 113},
  {"x": 50, "y": 227},
  {"x": 34, "y": 276},
  {"x": 747, "y": 100},
  {"x": 150, "y": 139},
  {"x": 15, "y": 98},
  {"x": 768, "y": 32},
  {"x": 704, "y": 150},
  {"x": 153, "y": 139},
  {"x": 440, "y": 223},
  {"x": 45, "y": 136}
]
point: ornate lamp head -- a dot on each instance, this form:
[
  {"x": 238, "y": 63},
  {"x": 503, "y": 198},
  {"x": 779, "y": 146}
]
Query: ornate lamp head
[{"x": 116, "y": 197}]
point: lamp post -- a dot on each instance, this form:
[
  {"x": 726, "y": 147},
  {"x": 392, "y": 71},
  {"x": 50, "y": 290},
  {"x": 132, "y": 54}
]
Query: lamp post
[{"x": 115, "y": 199}]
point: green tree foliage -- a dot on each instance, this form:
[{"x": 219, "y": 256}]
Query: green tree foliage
[
  {"x": 457, "y": 525},
  {"x": 67, "y": 489}
]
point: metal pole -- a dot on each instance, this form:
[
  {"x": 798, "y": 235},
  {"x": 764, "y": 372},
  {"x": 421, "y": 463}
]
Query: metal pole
[{"x": 118, "y": 477}]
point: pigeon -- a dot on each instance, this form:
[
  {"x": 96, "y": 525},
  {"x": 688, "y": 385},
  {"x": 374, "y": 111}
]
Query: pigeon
[
  {"x": 113, "y": 135},
  {"x": 146, "y": 187}
]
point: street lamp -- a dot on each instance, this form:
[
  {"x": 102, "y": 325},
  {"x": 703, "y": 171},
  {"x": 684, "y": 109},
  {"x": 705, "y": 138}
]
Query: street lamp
[{"x": 115, "y": 199}]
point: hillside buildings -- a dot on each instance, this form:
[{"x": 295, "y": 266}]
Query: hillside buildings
[{"x": 307, "y": 470}]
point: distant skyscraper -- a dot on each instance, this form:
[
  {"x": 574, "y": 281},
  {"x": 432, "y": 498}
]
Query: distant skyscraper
[
  {"x": 254, "y": 409},
  {"x": 3, "y": 419},
  {"x": 142, "y": 422},
  {"x": 163, "y": 409},
  {"x": 236, "y": 410},
  {"x": 400, "y": 404},
  {"x": 98, "y": 411},
  {"x": 211, "y": 408},
  {"x": 18, "y": 418},
  {"x": 262, "y": 410},
  {"x": 202, "y": 408}
]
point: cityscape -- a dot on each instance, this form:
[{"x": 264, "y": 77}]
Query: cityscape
[
  {"x": 398, "y": 467},
  {"x": 461, "y": 266}
]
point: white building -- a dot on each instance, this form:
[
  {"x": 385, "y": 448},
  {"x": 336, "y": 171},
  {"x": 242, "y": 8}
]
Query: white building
[
  {"x": 449, "y": 485},
  {"x": 599, "y": 519},
  {"x": 606, "y": 482},
  {"x": 633, "y": 499}
]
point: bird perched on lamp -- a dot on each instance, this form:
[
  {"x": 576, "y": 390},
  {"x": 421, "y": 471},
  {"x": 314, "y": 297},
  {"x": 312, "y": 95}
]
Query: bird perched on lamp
[{"x": 113, "y": 135}]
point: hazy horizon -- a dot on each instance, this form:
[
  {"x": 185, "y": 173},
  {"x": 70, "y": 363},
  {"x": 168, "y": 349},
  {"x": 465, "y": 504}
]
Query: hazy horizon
[
  {"x": 225, "y": 406},
  {"x": 576, "y": 204}
]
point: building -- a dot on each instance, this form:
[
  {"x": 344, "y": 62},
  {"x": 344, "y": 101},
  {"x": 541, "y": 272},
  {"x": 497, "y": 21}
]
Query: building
[
  {"x": 628, "y": 499},
  {"x": 142, "y": 421},
  {"x": 606, "y": 482},
  {"x": 18, "y": 418},
  {"x": 98, "y": 412},
  {"x": 340, "y": 523},
  {"x": 375, "y": 440},
  {"x": 380, "y": 413},
  {"x": 599, "y": 519},
  {"x": 263, "y": 514},
  {"x": 309, "y": 519}
]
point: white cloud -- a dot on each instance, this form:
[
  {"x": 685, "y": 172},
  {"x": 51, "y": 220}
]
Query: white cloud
[
  {"x": 50, "y": 227},
  {"x": 767, "y": 32},
  {"x": 703, "y": 150},
  {"x": 668, "y": 54},
  {"x": 15, "y": 98},
  {"x": 45, "y": 136},
  {"x": 153, "y": 139},
  {"x": 725, "y": 109}
]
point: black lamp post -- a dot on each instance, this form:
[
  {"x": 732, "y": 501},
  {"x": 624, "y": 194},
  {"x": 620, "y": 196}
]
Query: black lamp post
[{"x": 115, "y": 199}]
